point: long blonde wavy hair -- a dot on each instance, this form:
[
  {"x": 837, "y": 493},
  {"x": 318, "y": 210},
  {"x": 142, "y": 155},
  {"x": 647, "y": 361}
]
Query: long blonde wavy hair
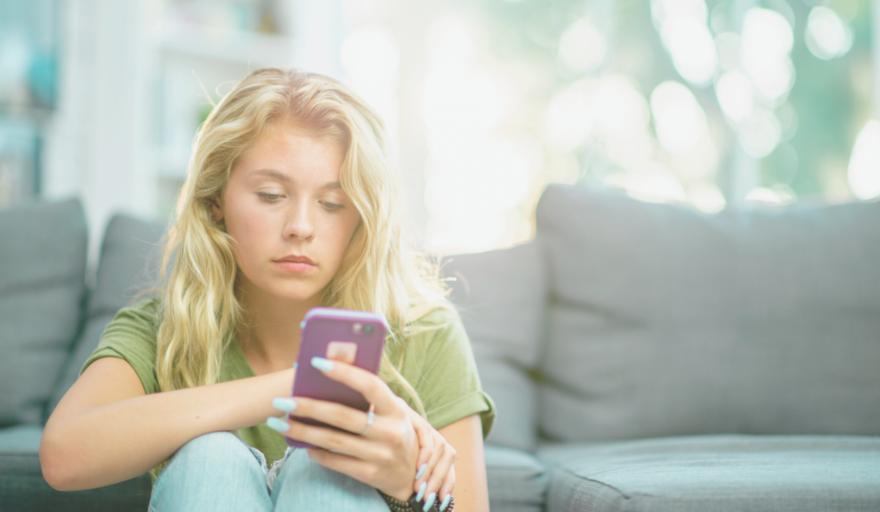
[{"x": 380, "y": 272}]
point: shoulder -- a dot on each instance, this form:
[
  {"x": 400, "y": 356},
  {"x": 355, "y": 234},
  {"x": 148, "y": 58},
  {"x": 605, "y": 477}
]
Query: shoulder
[
  {"x": 438, "y": 322},
  {"x": 147, "y": 307},
  {"x": 135, "y": 323},
  {"x": 131, "y": 335},
  {"x": 444, "y": 371},
  {"x": 437, "y": 332},
  {"x": 432, "y": 316},
  {"x": 143, "y": 313}
]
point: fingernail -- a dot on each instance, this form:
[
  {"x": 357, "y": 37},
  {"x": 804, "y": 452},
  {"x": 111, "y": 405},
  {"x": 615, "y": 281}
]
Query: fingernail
[
  {"x": 429, "y": 502},
  {"x": 422, "y": 489},
  {"x": 284, "y": 404},
  {"x": 422, "y": 469},
  {"x": 277, "y": 424},
  {"x": 295, "y": 364},
  {"x": 322, "y": 364},
  {"x": 445, "y": 502}
]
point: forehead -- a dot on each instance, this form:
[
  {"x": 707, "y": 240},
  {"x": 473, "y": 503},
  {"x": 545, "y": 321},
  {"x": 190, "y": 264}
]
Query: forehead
[
  {"x": 288, "y": 150},
  {"x": 276, "y": 175}
]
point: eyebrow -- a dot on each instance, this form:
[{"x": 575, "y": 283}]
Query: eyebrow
[{"x": 280, "y": 176}]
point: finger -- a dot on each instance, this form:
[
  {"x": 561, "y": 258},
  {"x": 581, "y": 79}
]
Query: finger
[
  {"x": 339, "y": 415},
  {"x": 445, "y": 494},
  {"x": 421, "y": 486},
  {"x": 329, "y": 439},
  {"x": 367, "y": 383},
  {"x": 439, "y": 474},
  {"x": 420, "y": 425},
  {"x": 426, "y": 449},
  {"x": 426, "y": 446},
  {"x": 425, "y": 436},
  {"x": 336, "y": 441}
]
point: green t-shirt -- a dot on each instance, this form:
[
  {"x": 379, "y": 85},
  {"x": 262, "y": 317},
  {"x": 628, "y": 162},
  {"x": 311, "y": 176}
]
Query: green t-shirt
[{"x": 439, "y": 364}]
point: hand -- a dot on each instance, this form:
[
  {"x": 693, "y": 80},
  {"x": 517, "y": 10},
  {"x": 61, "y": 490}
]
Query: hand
[
  {"x": 436, "y": 463},
  {"x": 383, "y": 458}
]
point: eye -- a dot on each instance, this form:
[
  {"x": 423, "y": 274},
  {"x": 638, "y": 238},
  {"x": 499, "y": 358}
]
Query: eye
[
  {"x": 332, "y": 206},
  {"x": 269, "y": 197}
]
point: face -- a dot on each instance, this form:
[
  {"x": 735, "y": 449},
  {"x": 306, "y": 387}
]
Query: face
[{"x": 290, "y": 219}]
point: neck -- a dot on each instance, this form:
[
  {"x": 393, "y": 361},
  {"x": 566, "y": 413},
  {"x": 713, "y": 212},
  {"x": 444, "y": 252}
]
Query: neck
[{"x": 271, "y": 337}]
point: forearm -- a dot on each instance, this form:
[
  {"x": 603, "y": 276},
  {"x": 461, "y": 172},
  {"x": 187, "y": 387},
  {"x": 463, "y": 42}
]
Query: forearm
[{"x": 124, "y": 439}]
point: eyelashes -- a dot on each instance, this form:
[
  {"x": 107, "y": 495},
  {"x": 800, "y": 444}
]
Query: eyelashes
[
  {"x": 332, "y": 206},
  {"x": 270, "y": 198}
]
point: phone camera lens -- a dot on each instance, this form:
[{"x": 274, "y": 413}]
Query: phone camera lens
[
  {"x": 357, "y": 327},
  {"x": 368, "y": 329}
]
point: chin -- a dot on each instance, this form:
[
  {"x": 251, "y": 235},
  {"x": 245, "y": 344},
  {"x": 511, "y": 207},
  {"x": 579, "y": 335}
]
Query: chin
[
  {"x": 298, "y": 293},
  {"x": 287, "y": 289}
]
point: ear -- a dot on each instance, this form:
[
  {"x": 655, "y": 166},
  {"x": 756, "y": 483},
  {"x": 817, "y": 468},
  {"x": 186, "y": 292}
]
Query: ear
[{"x": 216, "y": 210}]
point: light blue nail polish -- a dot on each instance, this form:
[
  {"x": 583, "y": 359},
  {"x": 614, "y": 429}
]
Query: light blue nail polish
[
  {"x": 322, "y": 364},
  {"x": 422, "y": 469},
  {"x": 429, "y": 502},
  {"x": 277, "y": 424},
  {"x": 284, "y": 404},
  {"x": 295, "y": 364},
  {"x": 422, "y": 489},
  {"x": 445, "y": 502}
]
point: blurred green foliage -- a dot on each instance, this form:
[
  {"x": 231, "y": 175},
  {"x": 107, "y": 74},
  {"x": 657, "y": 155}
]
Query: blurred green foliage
[{"x": 829, "y": 102}]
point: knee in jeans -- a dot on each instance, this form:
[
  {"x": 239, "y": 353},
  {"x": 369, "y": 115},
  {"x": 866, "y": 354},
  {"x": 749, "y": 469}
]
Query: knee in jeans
[
  {"x": 217, "y": 467},
  {"x": 214, "y": 446}
]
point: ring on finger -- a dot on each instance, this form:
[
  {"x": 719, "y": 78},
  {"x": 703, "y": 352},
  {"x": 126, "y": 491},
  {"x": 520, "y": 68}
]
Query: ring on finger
[{"x": 371, "y": 418}]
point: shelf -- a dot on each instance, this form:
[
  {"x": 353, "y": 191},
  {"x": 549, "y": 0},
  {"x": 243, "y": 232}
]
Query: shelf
[{"x": 242, "y": 48}]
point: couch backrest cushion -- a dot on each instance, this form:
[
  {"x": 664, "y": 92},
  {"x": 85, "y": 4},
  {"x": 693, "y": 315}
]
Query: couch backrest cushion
[
  {"x": 128, "y": 264},
  {"x": 666, "y": 321},
  {"x": 500, "y": 296},
  {"x": 42, "y": 285}
]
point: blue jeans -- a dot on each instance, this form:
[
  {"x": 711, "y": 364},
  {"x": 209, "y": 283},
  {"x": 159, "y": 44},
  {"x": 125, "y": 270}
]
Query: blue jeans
[{"x": 218, "y": 471}]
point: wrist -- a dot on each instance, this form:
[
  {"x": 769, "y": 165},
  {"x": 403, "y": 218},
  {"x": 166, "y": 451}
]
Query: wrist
[
  {"x": 412, "y": 505},
  {"x": 284, "y": 381},
  {"x": 401, "y": 494},
  {"x": 400, "y": 505}
]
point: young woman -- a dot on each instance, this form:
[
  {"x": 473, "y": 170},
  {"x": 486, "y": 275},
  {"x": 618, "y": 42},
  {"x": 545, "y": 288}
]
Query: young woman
[{"x": 289, "y": 204}]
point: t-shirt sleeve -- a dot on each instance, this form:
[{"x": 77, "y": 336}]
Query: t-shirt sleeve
[
  {"x": 131, "y": 335},
  {"x": 449, "y": 384}
]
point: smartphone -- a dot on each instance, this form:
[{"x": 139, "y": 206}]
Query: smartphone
[{"x": 356, "y": 337}]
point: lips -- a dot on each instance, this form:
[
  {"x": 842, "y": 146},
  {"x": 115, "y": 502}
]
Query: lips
[{"x": 294, "y": 258}]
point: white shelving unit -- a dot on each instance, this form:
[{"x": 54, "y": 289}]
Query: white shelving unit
[
  {"x": 195, "y": 66},
  {"x": 137, "y": 80},
  {"x": 224, "y": 46}
]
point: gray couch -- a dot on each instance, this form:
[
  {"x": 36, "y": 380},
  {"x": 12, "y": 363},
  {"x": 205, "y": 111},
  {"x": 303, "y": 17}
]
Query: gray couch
[
  {"x": 51, "y": 316},
  {"x": 649, "y": 357},
  {"x": 642, "y": 357}
]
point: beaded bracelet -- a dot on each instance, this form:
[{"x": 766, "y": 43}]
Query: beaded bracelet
[{"x": 413, "y": 505}]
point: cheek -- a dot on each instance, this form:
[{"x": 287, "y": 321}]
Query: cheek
[
  {"x": 248, "y": 227},
  {"x": 344, "y": 234}
]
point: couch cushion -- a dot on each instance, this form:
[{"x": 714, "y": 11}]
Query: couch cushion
[
  {"x": 42, "y": 285},
  {"x": 20, "y": 439},
  {"x": 666, "y": 321},
  {"x": 517, "y": 481},
  {"x": 23, "y": 489},
  {"x": 500, "y": 296},
  {"x": 717, "y": 473},
  {"x": 128, "y": 265}
]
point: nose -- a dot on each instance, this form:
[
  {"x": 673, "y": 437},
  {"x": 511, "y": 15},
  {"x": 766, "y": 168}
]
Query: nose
[{"x": 299, "y": 222}]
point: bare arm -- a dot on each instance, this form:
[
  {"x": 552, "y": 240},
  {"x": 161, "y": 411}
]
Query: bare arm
[
  {"x": 106, "y": 429},
  {"x": 471, "y": 489}
]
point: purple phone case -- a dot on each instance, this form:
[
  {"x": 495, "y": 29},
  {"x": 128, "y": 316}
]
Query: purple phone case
[{"x": 321, "y": 326}]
